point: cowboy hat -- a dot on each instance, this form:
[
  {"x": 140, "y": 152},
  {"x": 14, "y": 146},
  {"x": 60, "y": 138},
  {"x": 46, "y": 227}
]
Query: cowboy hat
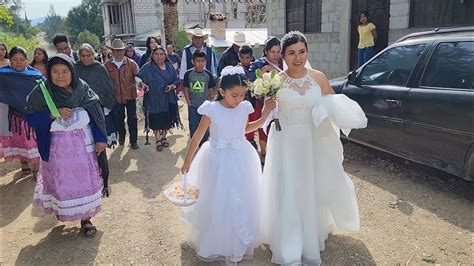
[
  {"x": 239, "y": 38},
  {"x": 198, "y": 32},
  {"x": 117, "y": 44}
]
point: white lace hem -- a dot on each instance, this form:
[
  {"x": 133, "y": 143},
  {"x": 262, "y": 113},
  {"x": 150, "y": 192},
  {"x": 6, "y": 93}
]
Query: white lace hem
[
  {"x": 30, "y": 154},
  {"x": 69, "y": 207}
]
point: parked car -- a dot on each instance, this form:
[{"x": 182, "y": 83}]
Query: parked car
[{"x": 418, "y": 96}]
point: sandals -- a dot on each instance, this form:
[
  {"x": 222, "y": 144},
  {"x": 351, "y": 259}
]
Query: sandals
[
  {"x": 165, "y": 142},
  {"x": 25, "y": 169},
  {"x": 88, "y": 228},
  {"x": 105, "y": 192},
  {"x": 159, "y": 146}
]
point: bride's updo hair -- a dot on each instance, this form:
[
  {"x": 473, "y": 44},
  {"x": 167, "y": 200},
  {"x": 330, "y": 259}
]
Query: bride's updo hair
[
  {"x": 291, "y": 38},
  {"x": 231, "y": 76}
]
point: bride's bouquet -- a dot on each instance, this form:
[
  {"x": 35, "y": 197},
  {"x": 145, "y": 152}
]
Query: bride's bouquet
[{"x": 267, "y": 85}]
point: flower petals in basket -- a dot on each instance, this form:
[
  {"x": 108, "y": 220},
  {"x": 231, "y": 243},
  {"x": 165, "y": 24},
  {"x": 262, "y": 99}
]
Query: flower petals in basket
[{"x": 182, "y": 194}]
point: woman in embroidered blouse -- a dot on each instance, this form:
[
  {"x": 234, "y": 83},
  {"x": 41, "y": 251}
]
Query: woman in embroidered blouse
[
  {"x": 160, "y": 99},
  {"x": 69, "y": 183}
]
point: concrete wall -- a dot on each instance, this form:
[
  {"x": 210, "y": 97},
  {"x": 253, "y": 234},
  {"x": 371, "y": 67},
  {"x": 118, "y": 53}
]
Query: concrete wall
[
  {"x": 145, "y": 16},
  {"x": 328, "y": 50}
]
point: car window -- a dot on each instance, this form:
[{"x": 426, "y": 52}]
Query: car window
[
  {"x": 393, "y": 67},
  {"x": 450, "y": 66}
]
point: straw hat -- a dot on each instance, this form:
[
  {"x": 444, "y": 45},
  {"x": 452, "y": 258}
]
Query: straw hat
[
  {"x": 117, "y": 44},
  {"x": 239, "y": 38},
  {"x": 198, "y": 32}
]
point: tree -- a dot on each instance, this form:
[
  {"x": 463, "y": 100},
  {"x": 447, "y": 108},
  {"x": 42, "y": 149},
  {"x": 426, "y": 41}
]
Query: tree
[
  {"x": 170, "y": 18},
  {"x": 12, "y": 39},
  {"x": 88, "y": 37},
  {"x": 5, "y": 16},
  {"x": 86, "y": 16},
  {"x": 53, "y": 24},
  {"x": 10, "y": 14}
]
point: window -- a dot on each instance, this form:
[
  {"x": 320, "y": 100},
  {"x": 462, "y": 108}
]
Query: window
[
  {"x": 437, "y": 13},
  {"x": 262, "y": 18},
  {"x": 234, "y": 9},
  {"x": 393, "y": 67},
  {"x": 256, "y": 14},
  {"x": 303, "y": 15},
  {"x": 115, "y": 14},
  {"x": 450, "y": 66}
]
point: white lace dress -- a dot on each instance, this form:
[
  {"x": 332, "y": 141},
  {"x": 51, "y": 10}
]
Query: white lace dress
[
  {"x": 305, "y": 192},
  {"x": 227, "y": 170}
]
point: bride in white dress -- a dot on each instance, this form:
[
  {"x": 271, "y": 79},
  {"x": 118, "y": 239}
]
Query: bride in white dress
[{"x": 305, "y": 192}]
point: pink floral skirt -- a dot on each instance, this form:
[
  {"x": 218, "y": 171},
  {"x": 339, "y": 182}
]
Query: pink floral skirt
[{"x": 69, "y": 184}]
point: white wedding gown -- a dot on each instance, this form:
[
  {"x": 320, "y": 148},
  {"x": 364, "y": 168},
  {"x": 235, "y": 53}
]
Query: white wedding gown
[{"x": 305, "y": 192}]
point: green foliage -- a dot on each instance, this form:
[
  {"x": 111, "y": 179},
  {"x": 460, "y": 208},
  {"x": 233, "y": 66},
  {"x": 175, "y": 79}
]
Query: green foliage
[
  {"x": 5, "y": 16},
  {"x": 179, "y": 38},
  {"x": 12, "y": 21},
  {"x": 86, "y": 16},
  {"x": 88, "y": 37},
  {"x": 12, "y": 39},
  {"x": 53, "y": 24}
]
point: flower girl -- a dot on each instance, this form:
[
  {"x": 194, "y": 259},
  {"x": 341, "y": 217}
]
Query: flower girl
[{"x": 224, "y": 220}]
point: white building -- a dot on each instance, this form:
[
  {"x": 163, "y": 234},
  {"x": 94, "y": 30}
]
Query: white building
[
  {"x": 331, "y": 26},
  {"x": 128, "y": 18}
]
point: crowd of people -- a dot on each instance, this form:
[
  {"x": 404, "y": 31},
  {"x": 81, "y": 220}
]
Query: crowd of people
[{"x": 298, "y": 199}]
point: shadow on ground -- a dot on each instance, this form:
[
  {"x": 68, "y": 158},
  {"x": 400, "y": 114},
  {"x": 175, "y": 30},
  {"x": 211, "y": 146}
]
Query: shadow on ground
[
  {"x": 65, "y": 243},
  {"x": 413, "y": 184}
]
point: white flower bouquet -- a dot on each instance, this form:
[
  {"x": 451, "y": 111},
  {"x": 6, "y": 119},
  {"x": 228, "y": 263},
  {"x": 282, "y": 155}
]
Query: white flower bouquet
[{"x": 267, "y": 85}]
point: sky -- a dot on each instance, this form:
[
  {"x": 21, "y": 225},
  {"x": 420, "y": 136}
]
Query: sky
[{"x": 40, "y": 8}]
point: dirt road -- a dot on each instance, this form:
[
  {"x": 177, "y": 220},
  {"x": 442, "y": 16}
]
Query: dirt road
[{"x": 410, "y": 214}]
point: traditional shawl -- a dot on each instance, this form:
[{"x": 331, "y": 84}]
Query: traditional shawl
[
  {"x": 14, "y": 88},
  {"x": 156, "y": 100},
  {"x": 99, "y": 81},
  {"x": 82, "y": 95},
  {"x": 16, "y": 85}
]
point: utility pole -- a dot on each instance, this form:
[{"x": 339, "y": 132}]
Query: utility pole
[{"x": 161, "y": 17}]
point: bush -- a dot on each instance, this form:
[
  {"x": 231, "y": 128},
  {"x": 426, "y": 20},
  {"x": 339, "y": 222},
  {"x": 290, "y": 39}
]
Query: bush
[
  {"x": 87, "y": 37},
  {"x": 179, "y": 38},
  {"x": 12, "y": 39}
]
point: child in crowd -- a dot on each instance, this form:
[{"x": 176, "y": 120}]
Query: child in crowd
[
  {"x": 198, "y": 84},
  {"x": 227, "y": 171},
  {"x": 246, "y": 58}
]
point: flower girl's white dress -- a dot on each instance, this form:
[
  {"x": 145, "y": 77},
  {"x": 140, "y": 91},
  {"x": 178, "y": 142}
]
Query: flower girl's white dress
[
  {"x": 227, "y": 170},
  {"x": 305, "y": 192}
]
